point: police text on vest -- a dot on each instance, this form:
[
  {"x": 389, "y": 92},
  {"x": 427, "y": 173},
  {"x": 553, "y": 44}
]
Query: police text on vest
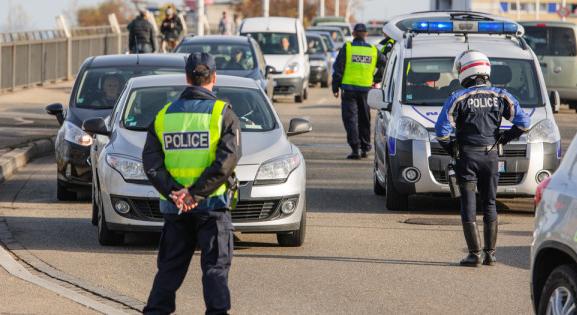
[
  {"x": 362, "y": 59},
  {"x": 483, "y": 102},
  {"x": 186, "y": 140}
]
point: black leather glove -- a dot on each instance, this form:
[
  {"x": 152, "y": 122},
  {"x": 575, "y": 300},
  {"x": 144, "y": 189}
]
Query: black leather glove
[
  {"x": 449, "y": 147},
  {"x": 509, "y": 135}
]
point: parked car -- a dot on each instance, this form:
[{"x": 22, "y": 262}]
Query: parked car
[
  {"x": 337, "y": 34},
  {"x": 320, "y": 60},
  {"x": 238, "y": 56},
  {"x": 284, "y": 45},
  {"x": 554, "y": 249},
  {"x": 420, "y": 77},
  {"x": 555, "y": 45},
  {"x": 271, "y": 172},
  {"x": 98, "y": 84}
]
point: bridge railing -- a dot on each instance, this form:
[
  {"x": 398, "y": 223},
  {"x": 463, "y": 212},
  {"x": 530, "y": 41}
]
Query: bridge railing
[{"x": 37, "y": 57}]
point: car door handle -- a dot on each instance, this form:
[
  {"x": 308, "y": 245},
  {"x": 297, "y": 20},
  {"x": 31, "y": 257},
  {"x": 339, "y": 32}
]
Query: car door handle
[{"x": 557, "y": 69}]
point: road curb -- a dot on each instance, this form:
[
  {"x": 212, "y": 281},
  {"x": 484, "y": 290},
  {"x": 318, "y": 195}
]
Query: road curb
[{"x": 17, "y": 158}]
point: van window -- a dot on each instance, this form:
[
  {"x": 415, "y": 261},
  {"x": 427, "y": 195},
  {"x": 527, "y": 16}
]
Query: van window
[
  {"x": 551, "y": 41},
  {"x": 276, "y": 43},
  {"x": 430, "y": 81}
]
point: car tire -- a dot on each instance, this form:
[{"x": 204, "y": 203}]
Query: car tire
[
  {"x": 298, "y": 98},
  {"x": 63, "y": 194},
  {"x": 306, "y": 93},
  {"x": 95, "y": 208},
  {"x": 294, "y": 238},
  {"x": 572, "y": 104},
  {"x": 395, "y": 201},
  {"x": 325, "y": 83},
  {"x": 560, "y": 289},
  {"x": 107, "y": 237},
  {"x": 378, "y": 189}
]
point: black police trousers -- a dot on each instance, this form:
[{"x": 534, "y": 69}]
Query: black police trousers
[
  {"x": 357, "y": 119},
  {"x": 213, "y": 232},
  {"x": 478, "y": 170}
]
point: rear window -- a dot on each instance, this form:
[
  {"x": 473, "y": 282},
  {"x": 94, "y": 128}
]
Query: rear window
[{"x": 551, "y": 41}]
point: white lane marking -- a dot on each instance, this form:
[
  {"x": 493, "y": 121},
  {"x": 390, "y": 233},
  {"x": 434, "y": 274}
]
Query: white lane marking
[
  {"x": 23, "y": 121},
  {"x": 17, "y": 270}
]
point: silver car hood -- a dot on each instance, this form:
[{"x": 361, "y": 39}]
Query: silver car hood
[{"x": 257, "y": 147}]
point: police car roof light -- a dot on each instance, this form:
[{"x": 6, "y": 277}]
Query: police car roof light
[
  {"x": 433, "y": 27},
  {"x": 461, "y": 27}
]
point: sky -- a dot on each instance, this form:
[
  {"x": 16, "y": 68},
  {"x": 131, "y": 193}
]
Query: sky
[{"x": 40, "y": 14}]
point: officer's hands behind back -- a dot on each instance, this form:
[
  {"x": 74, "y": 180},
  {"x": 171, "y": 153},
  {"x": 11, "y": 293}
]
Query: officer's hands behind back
[{"x": 183, "y": 200}]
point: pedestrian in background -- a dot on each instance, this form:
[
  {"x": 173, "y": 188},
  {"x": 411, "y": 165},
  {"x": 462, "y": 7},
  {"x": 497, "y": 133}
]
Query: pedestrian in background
[
  {"x": 475, "y": 113},
  {"x": 225, "y": 26},
  {"x": 358, "y": 67},
  {"x": 170, "y": 28},
  {"x": 237, "y": 22},
  {"x": 191, "y": 151},
  {"x": 141, "y": 35}
]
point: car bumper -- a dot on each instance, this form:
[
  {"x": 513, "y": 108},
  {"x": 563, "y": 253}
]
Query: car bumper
[
  {"x": 258, "y": 209},
  {"x": 288, "y": 85},
  {"x": 523, "y": 162},
  {"x": 73, "y": 168}
]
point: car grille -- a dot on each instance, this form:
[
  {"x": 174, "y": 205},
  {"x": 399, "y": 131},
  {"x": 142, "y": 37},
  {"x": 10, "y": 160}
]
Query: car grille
[
  {"x": 505, "y": 179},
  {"x": 284, "y": 89},
  {"x": 507, "y": 152},
  {"x": 245, "y": 211}
]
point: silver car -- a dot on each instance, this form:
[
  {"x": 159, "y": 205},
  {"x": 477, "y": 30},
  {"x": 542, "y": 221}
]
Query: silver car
[
  {"x": 271, "y": 172},
  {"x": 554, "y": 249}
]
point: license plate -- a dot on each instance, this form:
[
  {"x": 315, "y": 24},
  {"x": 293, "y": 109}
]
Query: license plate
[{"x": 502, "y": 168}]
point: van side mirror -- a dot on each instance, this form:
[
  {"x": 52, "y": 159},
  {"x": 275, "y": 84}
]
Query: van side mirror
[
  {"x": 95, "y": 126},
  {"x": 555, "y": 100},
  {"x": 57, "y": 110},
  {"x": 268, "y": 70},
  {"x": 376, "y": 100},
  {"x": 299, "y": 126}
]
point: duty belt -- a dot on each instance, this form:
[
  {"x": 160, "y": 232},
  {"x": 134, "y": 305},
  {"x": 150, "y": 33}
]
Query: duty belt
[{"x": 477, "y": 148}]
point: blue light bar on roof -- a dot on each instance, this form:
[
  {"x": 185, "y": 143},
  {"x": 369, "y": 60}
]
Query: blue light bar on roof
[
  {"x": 433, "y": 27},
  {"x": 465, "y": 27}
]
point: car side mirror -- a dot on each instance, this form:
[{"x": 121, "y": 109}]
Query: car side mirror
[
  {"x": 555, "y": 100},
  {"x": 376, "y": 100},
  {"x": 57, "y": 110},
  {"x": 268, "y": 70},
  {"x": 95, "y": 126},
  {"x": 299, "y": 126}
]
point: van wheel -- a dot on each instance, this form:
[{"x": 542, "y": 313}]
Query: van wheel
[
  {"x": 395, "y": 200},
  {"x": 298, "y": 98},
  {"x": 306, "y": 93},
  {"x": 107, "y": 237},
  {"x": 559, "y": 291},
  {"x": 294, "y": 238},
  {"x": 63, "y": 194}
]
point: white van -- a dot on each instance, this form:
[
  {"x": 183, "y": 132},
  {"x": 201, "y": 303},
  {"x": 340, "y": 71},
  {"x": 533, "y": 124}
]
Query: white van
[
  {"x": 284, "y": 44},
  {"x": 419, "y": 78}
]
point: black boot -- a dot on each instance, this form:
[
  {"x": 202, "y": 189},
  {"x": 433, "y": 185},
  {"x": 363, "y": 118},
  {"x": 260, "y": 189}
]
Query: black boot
[
  {"x": 354, "y": 156},
  {"x": 472, "y": 238},
  {"x": 490, "y": 235}
]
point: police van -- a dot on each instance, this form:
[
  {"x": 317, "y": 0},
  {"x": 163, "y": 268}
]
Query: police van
[{"x": 419, "y": 78}]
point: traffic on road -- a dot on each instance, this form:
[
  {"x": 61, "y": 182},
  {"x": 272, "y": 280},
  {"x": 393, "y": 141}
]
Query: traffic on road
[{"x": 348, "y": 177}]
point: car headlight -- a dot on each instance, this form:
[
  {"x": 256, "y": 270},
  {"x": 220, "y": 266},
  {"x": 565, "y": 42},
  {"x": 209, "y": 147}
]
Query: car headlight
[
  {"x": 292, "y": 68},
  {"x": 318, "y": 63},
  {"x": 544, "y": 131},
  {"x": 278, "y": 170},
  {"x": 409, "y": 129},
  {"x": 130, "y": 168},
  {"x": 74, "y": 134}
]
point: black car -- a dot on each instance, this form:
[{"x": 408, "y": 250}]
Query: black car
[
  {"x": 320, "y": 60},
  {"x": 238, "y": 56},
  {"x": 96, "y": 89}
]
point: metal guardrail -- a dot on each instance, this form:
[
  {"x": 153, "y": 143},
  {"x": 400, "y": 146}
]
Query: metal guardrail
[{"x": 36, "y": 57}]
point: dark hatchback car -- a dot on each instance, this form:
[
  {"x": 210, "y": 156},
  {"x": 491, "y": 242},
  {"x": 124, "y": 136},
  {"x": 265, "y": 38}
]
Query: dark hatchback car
[
  {"x": 320, "y": 60},
  {"x": 98, "y": 85},
  {"x": 238, "y": 56}
]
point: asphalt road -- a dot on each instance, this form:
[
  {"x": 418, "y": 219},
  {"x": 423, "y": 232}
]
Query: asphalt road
[{"x": 358, "y": 257}]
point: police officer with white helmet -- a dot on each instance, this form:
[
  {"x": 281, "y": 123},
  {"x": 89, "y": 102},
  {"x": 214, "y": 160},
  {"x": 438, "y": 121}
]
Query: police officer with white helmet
[{"x": 474, "y": 114}]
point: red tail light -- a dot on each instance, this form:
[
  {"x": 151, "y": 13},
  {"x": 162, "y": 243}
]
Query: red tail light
[
  {"x": 541, "y": 25},
  {"x": 540, "y": 189}
]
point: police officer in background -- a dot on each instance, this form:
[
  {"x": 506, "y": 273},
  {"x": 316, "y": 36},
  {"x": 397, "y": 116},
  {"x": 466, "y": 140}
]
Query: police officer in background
[
  {"x": 475, "y": 113},
  {"x": 191, "y": 151},
  {"x": 358, "y": 67}
]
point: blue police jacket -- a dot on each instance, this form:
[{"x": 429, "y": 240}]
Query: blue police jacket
[{"x": 475, "y": 114}]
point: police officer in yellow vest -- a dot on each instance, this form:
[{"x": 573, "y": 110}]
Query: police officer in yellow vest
[
  {"x": 190, "y": 154},
  {"x": 358, "y": 67}
]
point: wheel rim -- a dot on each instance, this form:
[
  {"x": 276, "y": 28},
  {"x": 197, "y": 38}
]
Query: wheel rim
[{"x": 561, "y": 302}]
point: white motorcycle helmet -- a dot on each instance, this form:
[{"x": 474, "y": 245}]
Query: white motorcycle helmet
[{"x": 471, "y": 64}]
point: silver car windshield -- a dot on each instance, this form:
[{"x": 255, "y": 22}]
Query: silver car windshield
[
  {"x": 430, "y": 81},
  {"x": 227, "y": 56},
  {"x": 249, "y": 105}
]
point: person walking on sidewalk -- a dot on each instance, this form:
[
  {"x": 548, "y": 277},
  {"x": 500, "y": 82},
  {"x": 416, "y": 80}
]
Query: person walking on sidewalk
[
  {"x": 191, "y": 151},
  {"x": 141, "y": 35}
]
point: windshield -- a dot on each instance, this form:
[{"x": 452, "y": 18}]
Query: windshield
[
  {"x": 551, "y": 41},
  {"x": 277, "y": 43},
  {"x": 345, "y": 28},
  {"x": 248, "y": 104},
  {"x": 328, "y": 42},
  {"x": 226, "y": 56},
  {"x": 336, "y": 35},
  {"x": 315, "y": 45},
  {"x": 100, "y": 87},
  {"x": 430, "y": 81}
]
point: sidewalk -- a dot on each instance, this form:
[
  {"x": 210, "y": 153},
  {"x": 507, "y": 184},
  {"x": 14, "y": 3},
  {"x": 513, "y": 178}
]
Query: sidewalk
[{"x": 22, "y": 115}]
